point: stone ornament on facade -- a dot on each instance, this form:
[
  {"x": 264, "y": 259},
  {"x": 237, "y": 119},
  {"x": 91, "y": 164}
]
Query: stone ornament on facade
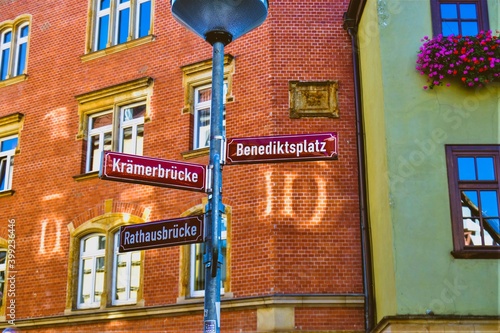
[{"x": 313, "y": 99}]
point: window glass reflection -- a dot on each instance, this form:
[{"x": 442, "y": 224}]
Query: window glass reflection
[
  {"x": 448, "y": 11},
  {"x": 489, "y": 203},
  {"x": 469, "y": 28},
  {"x": 485, "y": 168},
  {"x": 466, "y": 169},
  {"x": 468, "y": 11}
]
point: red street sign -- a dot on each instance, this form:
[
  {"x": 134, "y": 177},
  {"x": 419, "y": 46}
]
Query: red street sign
[
  {"x": 283, "y": 148},
  {"x": 152, "y": 235},
  {"x": 152, "y": 171}
]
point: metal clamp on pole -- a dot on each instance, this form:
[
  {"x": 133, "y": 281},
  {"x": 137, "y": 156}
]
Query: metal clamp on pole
[
  {"x": 216, "y": 217},
  {"x": 222, "y": 150},
  {"x": 210, "y": 174}
]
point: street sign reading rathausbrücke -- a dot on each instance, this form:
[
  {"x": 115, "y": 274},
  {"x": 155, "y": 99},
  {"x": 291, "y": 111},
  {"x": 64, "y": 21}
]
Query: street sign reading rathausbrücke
[
  {"x": 152, "y": 235},
  {"x": 153, "y": 171},
  {"x": 283, "y": 148}
]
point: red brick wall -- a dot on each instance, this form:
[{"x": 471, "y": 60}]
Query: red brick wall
[{"x": 310, "y": 246}]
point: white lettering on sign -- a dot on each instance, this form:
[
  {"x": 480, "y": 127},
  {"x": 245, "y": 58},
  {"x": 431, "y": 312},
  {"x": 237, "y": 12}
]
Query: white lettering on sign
[
  {"x": 281, "y": 148},
  {"x": 159, "y": 171},
  {"x": 176, "y": 232}
]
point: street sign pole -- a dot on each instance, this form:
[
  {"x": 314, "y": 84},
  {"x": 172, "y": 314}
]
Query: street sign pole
[{"x": 212, "y": 246}]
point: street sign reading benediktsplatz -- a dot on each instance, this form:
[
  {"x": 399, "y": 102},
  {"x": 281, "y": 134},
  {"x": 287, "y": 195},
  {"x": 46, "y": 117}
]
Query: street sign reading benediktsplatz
[
  {"x": 153, "y": 171},
  {"x": 283, "y": 148},
  {"x": 152, "y": 235}
]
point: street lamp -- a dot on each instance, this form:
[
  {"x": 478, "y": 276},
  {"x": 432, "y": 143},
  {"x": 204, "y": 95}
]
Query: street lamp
[{"x": 218, "y": 22}]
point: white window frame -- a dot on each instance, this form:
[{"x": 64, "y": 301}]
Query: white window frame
[
  {"x": 3, "y": 269},
  {"x": 117, "y": 133},
  {"x": 200, "y": 106},
  {"x": 7, "y": 157},
  {"x": 129, "y": 283},
  {"x": 138, "y": 17},
  {"x": 119, "y": 8},
  {"x": 113, "y": 13},
  {"x": 100, "y": 13},
  {"x": 100, "y": 132},
  {"x": 93, "y": 256},
  {"x": 134, "y": 123},
  {"x": 6, "y": 46},
  {"x": 21, "y": 40},
  {"x": 192, "y": 264}
]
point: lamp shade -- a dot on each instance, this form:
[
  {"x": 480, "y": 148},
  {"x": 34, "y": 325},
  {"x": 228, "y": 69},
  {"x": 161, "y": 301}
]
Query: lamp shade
[{"x": 236, "y": 17}]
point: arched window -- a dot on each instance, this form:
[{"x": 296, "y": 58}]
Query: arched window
[
  {"x": 99, "y": 275},
  {"x": 14, "y": 37}
]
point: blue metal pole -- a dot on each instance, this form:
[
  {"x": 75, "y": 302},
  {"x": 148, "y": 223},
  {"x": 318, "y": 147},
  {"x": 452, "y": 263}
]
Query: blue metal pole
[{"x": 212, "y": 244}]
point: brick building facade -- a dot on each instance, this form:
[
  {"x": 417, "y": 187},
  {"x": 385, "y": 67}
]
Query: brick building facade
[{"x": 82, "y": 76}]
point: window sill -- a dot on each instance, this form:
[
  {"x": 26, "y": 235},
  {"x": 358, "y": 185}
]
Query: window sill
[
  {"x": 13, "y": 80},
  {"x": 481, "y": 252},
  {"x": 107, "y": 309},
  {"x": 7, "y": 193},
  {"x": 198, "y": 299},
  {"x": 117, "y": 48},
  {"x": 85, "y": 176},
  {"x": 190, "y": 154}
]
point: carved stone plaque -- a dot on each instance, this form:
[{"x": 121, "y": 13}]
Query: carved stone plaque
[{"x": 313, "y": 99}]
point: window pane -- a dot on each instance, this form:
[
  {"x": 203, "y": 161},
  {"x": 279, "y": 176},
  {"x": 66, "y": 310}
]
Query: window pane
[
  {"x": 86, "y": 282},
  {"x": 489, "y": 203},
  {"x": 7, "y": 37},
  {"x": 95, "y": 153},
  {"x": 485, "y": 168},
  {"x": 102, "y": 39},
  {"x": 8, "y": 144},
  {"x": 3, "y": 255},
  {"x": 468, "y": 11},
  {"x": 470, "y": 203},
  {"x": 5, "y": 64},
  {"x": 472, "y": 232},
  {"x": 469, "y": 28},
  {"x": 24, "y": 31},
  {"x": 140, "y": 140},
  {"x": 135, "y": 274},
  {"x": 199, "y": 268},
  {"x": 21, "y": 59},
  {"x": 101, "y": 121},
  {"x": 449, "y": 11},
  {"x": 132, "y": 129},
  {"x": 96, "y": 150},
  {"x": 133, "y": 113},
  {"x": 450, "y": 28},
  {"x": 99, "y": 279},
  {"x": 93, "y": 244},
  {"x": 144, "y": 18},
  {"x": 3, "y": 173},
  {"x": 466, "y": 168},
  {"x": 203, "y": 126},
  {"x": 121, "y": 277},
  {"x": 204, "y": 95},
  {"x": 492, "y": 228},
  {"x": 128, "y": 145},
  {"x": 123, "y": 25},
  {"x": 104, "y": 4}
]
